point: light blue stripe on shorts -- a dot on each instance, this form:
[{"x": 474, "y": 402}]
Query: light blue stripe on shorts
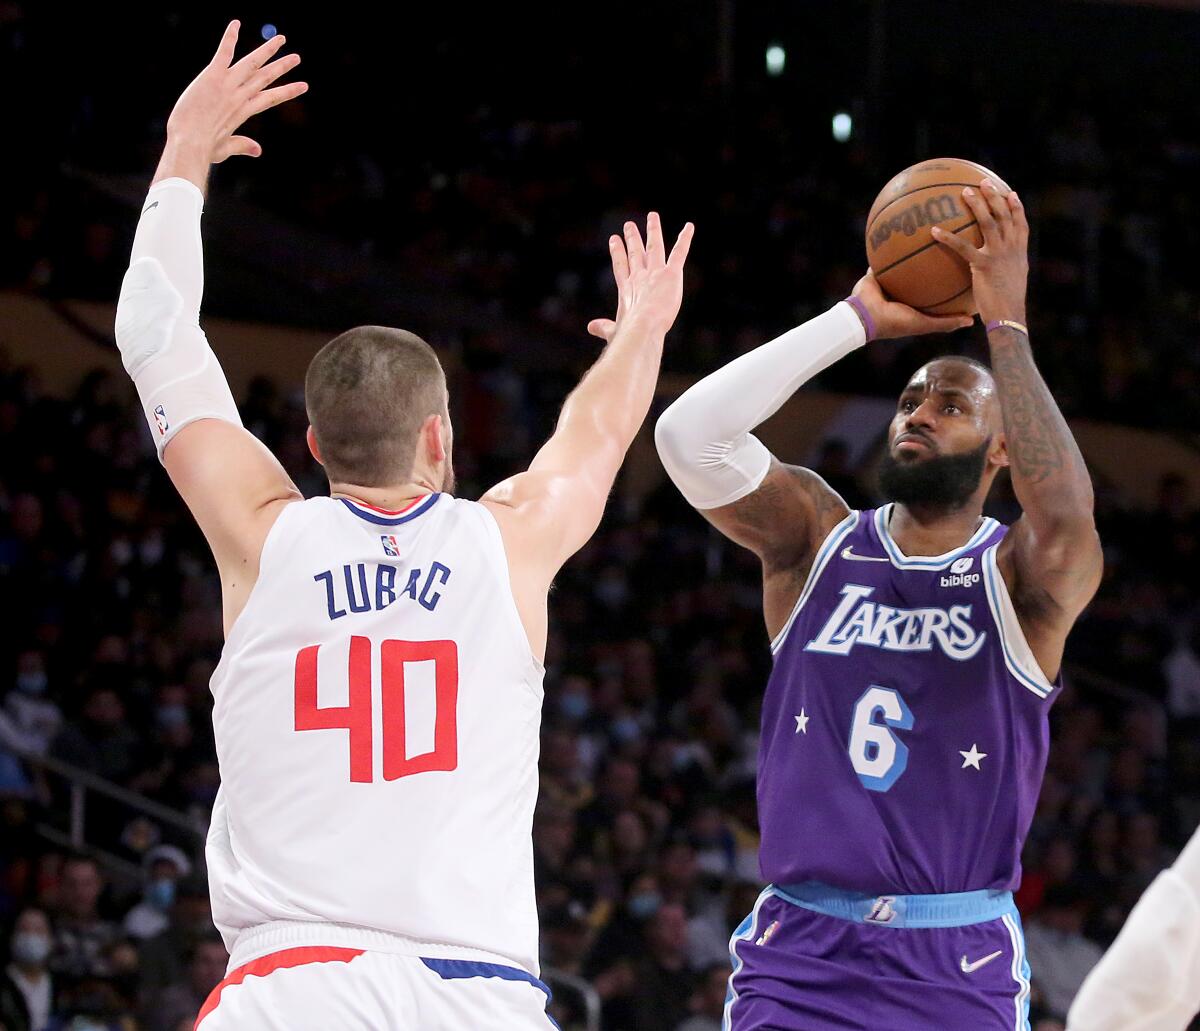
[{"x": 955, "y": 910}]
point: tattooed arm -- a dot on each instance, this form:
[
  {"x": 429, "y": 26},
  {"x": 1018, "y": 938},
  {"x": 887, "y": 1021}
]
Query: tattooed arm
[
  {"x": 783, "y": 522},
  {"x": 1051, "y": 559},
  {"x": 780, "y": 512}
]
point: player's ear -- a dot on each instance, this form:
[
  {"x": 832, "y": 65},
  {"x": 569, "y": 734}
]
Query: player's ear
[
  {"x": 313, "y": 448},
  {"x": 998, "y": 452},
  {"x": 431, "y": 437}
]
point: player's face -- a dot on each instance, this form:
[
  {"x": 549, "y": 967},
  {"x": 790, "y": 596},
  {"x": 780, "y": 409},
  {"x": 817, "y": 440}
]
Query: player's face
[
  {"x": 940, "y": 441},
  {"x": 947, "y": 408}
]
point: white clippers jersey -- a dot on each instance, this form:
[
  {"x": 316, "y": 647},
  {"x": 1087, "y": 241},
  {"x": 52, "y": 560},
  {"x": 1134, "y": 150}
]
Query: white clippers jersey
[{"x": 377, "y": 709}]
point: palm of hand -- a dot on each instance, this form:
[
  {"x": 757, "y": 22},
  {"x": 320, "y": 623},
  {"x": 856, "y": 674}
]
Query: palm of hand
[
  {"x": 649, "y": 282},
  {"x": 225, "y": 94}
]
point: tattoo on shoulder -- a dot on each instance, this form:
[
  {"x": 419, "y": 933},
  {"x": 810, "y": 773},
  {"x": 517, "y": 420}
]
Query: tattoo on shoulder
[{"x": 785, "y": 525}]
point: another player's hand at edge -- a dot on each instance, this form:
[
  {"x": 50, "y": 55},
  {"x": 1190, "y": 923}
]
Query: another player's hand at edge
[
  {"x": 1000, "y": 268},
  {"x": 649, "y": 281},
  {"x": 892, "y": 319},
  {"x": 202, "y": 126}
]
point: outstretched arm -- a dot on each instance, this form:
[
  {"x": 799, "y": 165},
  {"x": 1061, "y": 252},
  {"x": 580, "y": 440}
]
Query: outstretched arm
[
  {"x": 231, "y": 483},
  {"x": 549, "y": 512},
  {"x": 1051, "y": 559},
  {"x": 780, "y": 512}
]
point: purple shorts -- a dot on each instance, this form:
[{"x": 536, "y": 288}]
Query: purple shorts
[{"x": 814, "y": 958}]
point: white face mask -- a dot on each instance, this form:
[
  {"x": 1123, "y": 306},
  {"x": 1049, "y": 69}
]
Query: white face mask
[{"x": 30, "y": 947}]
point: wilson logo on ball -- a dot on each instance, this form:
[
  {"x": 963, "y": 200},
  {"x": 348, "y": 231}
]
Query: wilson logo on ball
[{"x": 930, "y": 213}]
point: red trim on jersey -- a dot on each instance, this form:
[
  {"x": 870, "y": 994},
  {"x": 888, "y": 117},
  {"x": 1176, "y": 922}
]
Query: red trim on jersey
[
  {"x": 264, "y": 965},
  {"x": 387, "y": 511}
]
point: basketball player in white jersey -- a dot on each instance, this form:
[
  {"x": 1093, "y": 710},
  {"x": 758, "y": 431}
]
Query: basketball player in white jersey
[
  {"x": 1149, "y": 980},
  {"x": 377, "y": 704}
]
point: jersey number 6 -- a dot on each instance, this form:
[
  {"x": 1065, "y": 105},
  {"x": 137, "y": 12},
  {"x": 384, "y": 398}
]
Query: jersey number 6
[
  {"x": 876, "y": 752},
  {"x": 355, "y": 717}
]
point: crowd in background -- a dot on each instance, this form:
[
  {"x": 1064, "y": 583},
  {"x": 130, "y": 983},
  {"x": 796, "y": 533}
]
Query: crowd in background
[{"x": 645, "y": 833}]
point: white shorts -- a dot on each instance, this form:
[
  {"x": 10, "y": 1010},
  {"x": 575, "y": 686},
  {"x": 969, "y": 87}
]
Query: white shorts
[{"x": 321, "y": 988}]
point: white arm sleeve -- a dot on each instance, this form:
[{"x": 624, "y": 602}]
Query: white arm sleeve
[
  {"x": 1149, "y": 980},
  {"x": 158, "y": 332},
  {"x": 704, "y": 438}
]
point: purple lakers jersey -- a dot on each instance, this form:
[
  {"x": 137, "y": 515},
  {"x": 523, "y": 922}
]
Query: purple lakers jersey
[{"x": 904, "y": 730}]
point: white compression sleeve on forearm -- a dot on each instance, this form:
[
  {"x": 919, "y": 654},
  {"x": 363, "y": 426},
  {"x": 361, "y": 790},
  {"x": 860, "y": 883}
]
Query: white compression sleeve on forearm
[
  {"x": 1149, "y": 980},
  {"x": 158, "y": 332},
  {"x": 704, "y": 438}
]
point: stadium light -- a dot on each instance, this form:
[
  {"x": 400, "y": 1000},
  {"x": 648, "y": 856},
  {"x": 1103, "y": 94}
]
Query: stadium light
[
  {"x": 776, "y": 59},
  {"x": 842, "y": 126}
]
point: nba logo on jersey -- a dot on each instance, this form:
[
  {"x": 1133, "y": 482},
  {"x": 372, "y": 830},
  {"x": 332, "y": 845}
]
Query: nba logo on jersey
[
  {"x": 390, "y": 547},
  {"x": 160, "y": 419}
]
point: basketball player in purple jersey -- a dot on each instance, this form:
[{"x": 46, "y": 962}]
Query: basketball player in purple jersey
[{"x": 916, "y": 656}]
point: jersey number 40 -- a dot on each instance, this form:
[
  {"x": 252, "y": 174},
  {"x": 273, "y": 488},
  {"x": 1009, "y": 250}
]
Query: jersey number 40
[{"x": 355, "y": 717}]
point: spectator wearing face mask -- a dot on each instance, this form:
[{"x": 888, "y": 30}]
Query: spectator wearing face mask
[
  {"x": 27, "y": 988},
  {"x": 164, "y": 867},
  {"x": 35, "y": 718}
]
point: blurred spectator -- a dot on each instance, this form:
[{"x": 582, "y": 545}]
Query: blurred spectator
[
  {"x": 81, "y": 935},
  {"x": 35, "y": 718},
  {"x": 1057, "y": 949},
  {"x": 707, "y": 1003},
  {"x": 102, "y": 742},
  {"x": 28, "y": 974},
  {"x": 182, "y": 1000},
  {"x": 663, "y": 983},
  {"x": 164, "y": 866}
]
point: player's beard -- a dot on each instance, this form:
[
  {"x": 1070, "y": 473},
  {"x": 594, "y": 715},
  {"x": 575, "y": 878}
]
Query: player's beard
[
  {"x": 448, "y": 480},
  {"x": 943, "y": 481}
]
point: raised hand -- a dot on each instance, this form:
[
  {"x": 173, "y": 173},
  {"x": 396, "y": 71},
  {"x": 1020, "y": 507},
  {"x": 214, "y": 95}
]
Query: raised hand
[
  {"x": 649, "y": 282},
  {"x": 892, "y": 319},
  {"x": 1000, "y": 268},
  {"x": 202, "y": 127}
]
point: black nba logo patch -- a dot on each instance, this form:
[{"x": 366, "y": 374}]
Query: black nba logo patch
[{"x": 390, "y": 547}]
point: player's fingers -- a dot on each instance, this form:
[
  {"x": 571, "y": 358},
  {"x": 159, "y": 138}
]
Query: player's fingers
[
  {"x": 996, "y": 203},
  {"x": 273, "y": 97},
  {"x": 273, "y": 71},
  {"x": 224, "y": 55},
  {"x": 1018, "y": 214},
  {"x": 620, "y": 261},
  {"x": 656, "y": 250},
  {"x": 602, "y": 328},
  {"x": 981, "y": 211},
  {"x": 634, "y": 247},
  {"x": 254, "y": 60},
  {"x": 963, "y": 248},
  {"x": 683, "y": 244},
  {"x": 239, "y": 145},
  {"x": 944, "y": 323}
]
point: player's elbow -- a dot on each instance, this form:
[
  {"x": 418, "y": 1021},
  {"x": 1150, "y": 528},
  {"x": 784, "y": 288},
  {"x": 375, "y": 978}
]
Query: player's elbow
[{"x": 676, "y": 446}]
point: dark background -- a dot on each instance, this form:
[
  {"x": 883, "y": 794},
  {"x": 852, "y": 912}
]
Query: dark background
[{"x": 457, "y": 171}]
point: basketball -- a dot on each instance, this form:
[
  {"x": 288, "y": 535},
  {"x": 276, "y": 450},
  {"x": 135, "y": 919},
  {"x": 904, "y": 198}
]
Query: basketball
[{"x": 910, "y": 265}]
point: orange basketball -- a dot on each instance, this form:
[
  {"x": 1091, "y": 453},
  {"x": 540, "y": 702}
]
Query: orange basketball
[{"x": 909, "y": 263}]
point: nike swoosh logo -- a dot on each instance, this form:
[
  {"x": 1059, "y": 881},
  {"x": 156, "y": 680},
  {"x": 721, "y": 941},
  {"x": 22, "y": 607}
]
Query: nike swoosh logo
[
  {"x": 847, "y": 553},
  {"x": 970, "y": 968},
  {"x": 149, "y": 206}
]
